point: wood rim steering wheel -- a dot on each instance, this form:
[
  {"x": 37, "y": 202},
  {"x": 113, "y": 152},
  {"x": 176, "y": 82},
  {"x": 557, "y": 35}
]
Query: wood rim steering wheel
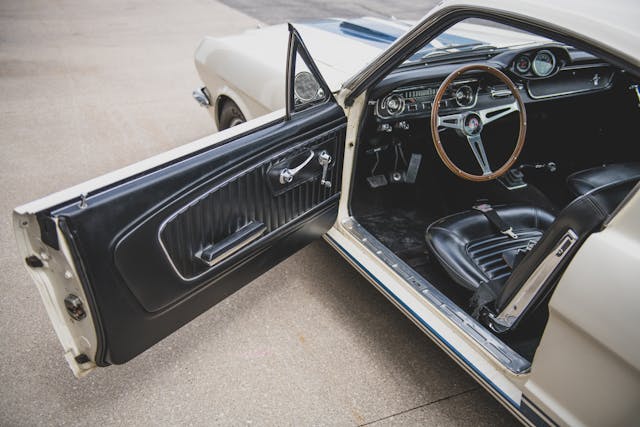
[{"x": 470, "y": 123}]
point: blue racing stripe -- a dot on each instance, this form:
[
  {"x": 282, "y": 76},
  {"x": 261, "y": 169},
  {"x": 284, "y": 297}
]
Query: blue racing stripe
[{"x": 380, "y": 34}]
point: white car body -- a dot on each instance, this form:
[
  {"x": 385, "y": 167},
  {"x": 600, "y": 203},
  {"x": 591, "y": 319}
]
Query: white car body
[{"x": 586, "y": 370}]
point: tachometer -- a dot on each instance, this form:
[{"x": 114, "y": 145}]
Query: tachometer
[
  {"x": 523, "y": 64},
  {"x": 464, "y": 96},
  {"x": 543, "y": 63}
]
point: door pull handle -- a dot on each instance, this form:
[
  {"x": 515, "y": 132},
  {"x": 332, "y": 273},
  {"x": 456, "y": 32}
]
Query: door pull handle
[
  {"x": 218, "y": 252},
  {"x": 286, "y": 175}
]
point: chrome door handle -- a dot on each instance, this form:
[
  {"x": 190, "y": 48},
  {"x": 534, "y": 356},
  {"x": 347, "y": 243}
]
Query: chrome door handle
[{"x": 286, "y": 175}]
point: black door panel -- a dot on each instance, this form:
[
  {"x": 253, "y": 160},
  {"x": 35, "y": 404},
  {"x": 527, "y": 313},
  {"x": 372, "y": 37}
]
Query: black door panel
[
  {"x": 175, "y": 234},
  {"x": 145, "y": 292}
]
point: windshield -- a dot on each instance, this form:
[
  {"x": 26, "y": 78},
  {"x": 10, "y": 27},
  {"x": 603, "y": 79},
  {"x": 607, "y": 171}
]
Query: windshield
[{"x": 473, "y": 35}]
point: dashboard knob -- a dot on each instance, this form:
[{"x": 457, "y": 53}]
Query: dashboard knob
[{"x": 395, "y": 104}]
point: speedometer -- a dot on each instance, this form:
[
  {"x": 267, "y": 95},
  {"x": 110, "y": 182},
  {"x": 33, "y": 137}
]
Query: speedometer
[{"x": 543, "y": 63}]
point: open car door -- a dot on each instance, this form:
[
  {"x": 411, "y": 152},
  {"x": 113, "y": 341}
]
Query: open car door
[{"x": 124, "y": 260}]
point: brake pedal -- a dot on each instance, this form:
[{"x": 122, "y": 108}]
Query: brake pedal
[{"x": 376, "y": 181}]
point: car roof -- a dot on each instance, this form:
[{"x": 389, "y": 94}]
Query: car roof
[{"x": 611, "y": 25}]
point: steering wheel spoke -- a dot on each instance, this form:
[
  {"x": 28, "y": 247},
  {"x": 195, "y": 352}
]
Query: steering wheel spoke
[
  {"x": 453, "y": 121},
  {"x": 489, "y": 115},
  {"x": 475, "y": 142}
]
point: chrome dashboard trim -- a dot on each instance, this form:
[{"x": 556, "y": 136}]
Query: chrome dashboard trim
[
  {"x": 584, "y": 66},
  {"x": 467, "y": 324},
  {"x": 571, "y": 92},
  {"x": 421, "y": 86},
  {"x": 575, "y": 92}
]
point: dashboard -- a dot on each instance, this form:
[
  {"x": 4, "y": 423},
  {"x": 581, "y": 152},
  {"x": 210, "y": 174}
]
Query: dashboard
[{"x": 541, "y": 73}]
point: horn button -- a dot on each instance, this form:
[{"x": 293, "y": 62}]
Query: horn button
[{"x": 472, "y": 124}]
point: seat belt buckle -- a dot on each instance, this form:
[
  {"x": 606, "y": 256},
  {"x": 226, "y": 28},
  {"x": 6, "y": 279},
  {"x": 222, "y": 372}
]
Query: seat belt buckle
[
  {"x": 483, "y": 207},
  {"x": 509, "y": 232}
]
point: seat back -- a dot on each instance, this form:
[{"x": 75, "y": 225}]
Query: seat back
[
  {"x": 535, "y": 277},
  {"x": 583, "y": 181}
]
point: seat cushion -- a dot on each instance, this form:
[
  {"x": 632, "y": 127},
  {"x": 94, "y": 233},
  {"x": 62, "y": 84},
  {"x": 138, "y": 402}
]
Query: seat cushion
[
  {"x": 587, "y": 180},
  {"x": 472, "y": 251}
]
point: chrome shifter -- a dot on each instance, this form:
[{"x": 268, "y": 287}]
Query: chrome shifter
[{"x": 324, "y": 159}]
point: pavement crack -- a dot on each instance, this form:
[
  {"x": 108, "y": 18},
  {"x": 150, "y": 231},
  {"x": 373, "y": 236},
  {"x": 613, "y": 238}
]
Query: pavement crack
[{"x": 419, "y": 406}]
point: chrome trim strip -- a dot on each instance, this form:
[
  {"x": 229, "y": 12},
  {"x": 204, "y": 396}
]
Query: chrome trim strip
[
  {"x": 492, "y": 345},
  {"x": 573, "y": 92},
  {"x": 526, "y": 294},
  {"x": 585, "y": 66}
]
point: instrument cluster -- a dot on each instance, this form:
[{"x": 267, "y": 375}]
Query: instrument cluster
[
  {"x": 537, "y": 64},
  {"x": 418, "y": 100}
]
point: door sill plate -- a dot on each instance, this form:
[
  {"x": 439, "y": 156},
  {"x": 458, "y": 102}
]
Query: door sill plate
[{"x": 470, "y": 326}]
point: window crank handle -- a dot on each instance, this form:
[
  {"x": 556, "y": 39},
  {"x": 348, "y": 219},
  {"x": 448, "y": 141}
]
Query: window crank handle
[{"x": 324, "y": 159}]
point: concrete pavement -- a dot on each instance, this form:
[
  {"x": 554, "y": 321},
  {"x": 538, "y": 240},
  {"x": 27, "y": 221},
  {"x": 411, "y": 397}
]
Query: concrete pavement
[
  {"x": 278, "y": 11},
  {"x": 87, "y": 87}
]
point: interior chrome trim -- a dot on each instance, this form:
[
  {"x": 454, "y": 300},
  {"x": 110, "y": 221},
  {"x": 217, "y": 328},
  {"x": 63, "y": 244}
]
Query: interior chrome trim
[
  {"x": 434, "y": 85},
  {"x": 573, "y": 92},
  {"x": 477, "y": 332},
  {"x": 585, "y": 66},
  {"x": 526, "y": 294}
]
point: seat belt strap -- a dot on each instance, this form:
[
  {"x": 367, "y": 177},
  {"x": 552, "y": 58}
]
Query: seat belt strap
[{"x": 495, "y": 220}]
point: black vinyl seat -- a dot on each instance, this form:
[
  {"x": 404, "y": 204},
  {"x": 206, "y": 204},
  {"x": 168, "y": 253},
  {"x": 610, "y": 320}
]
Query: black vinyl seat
[
  {"x": 472, "y": 251},
  {"x": 583, "y": 181}
]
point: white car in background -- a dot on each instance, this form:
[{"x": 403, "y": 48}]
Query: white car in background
[{"x": 486, "y": 185}]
